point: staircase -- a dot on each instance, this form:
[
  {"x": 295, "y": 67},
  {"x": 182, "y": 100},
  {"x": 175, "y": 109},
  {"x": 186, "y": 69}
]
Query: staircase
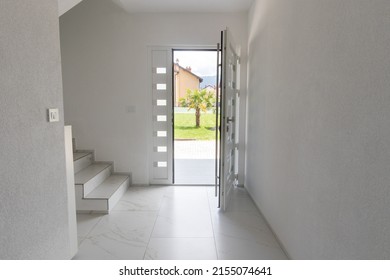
[{"x": 98, "y": 189}]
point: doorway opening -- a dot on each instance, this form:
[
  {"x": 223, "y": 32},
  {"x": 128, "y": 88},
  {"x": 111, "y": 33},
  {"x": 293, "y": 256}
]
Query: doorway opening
[{"x": 195, "y": 116}]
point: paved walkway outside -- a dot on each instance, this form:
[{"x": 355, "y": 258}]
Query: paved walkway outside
[
  {"x": 195, "y": 162},
  {"x": 194, "y": 149},
  {"x": 195, "y": 171}
]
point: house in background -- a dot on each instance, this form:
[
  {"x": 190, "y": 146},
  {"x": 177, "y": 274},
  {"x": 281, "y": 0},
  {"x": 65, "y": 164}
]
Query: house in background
[
  {"x": 315, "y": 100},
  {"x": 211, "y": 89},
  {"x": 184, "y": 79}
]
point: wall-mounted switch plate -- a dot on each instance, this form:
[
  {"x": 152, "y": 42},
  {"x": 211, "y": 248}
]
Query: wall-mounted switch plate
[{"x": 53, "y": 115}]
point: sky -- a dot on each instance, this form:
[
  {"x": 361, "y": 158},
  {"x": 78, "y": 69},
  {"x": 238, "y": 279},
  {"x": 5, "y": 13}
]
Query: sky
[{"x": 202, "y": 63}]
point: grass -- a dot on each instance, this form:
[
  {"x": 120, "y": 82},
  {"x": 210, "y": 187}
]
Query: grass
[{"x": 185, "y": 126}]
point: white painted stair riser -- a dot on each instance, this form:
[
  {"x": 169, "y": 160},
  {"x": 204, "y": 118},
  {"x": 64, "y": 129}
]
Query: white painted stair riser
[
  {"x": 114, "y": 199},
  {"x": 92, "y": 176},
  {"x": 88, "y": 205},
  {"x": 97, "y": 180},
  {"x": 83, "y": 162}
]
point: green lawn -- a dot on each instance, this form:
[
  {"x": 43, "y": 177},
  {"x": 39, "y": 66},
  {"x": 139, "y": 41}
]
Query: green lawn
[{"x": 185, "y": 126}]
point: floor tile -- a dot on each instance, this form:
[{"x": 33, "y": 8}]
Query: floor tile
[
  {"x": 230, "y": 248},
  {"x": 184, "y": 213},
  {"x": 190, "y": 203},
  {"x": 142, "y": 199},
  {"x": 179, "y": 192},
  {"x": 119, "y": 235},
  {"x": 181, "y": 249},
  {"x": 239, "y": 201},
  {"x": 85, "y": 223},
  {"x": 243, "y": 225},
  {"x": 177, "y": 222},
  {"x": 183, "y": 225}
]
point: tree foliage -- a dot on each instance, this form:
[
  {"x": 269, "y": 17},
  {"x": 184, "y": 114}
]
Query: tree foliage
[{"x": 199, "y": 100}]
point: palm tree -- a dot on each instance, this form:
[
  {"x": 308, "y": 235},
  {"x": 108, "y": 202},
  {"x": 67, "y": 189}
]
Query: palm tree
[{"x": 200, "y": 100}]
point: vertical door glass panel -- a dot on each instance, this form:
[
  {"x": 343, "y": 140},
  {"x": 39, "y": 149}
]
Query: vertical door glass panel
[
  {"x": 161, "y": 86},
  {"x": 162, "y": 164},
  {"x": 161, "y": 70},
  {"x": 161, "y": 118},
  {"x": 162, "y": 149},
  {"x": 161, "y": 102}
]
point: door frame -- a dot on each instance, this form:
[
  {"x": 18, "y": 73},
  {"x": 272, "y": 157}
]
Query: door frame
[
  {"x": 170, "y": 68},
  {"x": 205, "y": 49}
]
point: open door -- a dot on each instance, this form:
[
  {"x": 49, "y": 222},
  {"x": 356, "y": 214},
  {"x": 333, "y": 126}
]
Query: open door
[{"x": 229, "y": 87}]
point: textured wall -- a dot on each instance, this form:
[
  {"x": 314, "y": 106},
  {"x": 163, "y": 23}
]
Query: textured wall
[
  {"x": 33, "y": 208},
  {"x": 66, "y": 5},
  {"x": 318, "y": 162},
  {"x": 104, "y": 55}
]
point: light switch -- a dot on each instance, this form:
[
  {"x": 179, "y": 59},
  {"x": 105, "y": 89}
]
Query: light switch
[{"x": 53, "y": 115}]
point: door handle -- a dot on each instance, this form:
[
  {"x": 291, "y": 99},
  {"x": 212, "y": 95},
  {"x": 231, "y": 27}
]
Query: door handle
[{"x": 229, "y": 120}]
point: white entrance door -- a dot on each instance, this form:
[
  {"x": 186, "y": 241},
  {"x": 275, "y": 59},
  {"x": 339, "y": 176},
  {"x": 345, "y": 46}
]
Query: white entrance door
[
  {"x": 160, "y": 169},
  {"x": 229, "y": 97},
  {"x": 161, "y": 148}
]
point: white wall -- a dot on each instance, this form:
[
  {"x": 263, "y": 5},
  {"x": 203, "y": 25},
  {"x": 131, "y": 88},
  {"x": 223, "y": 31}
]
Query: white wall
[
  {"x": 66, "y": 5},
  {"x": 318, "y": 163},
  {"x": 33, "y": 207},
  {"x": 104, "y": 53}
]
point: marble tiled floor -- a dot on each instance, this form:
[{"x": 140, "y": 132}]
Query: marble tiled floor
[{"x": 177, "y": 222}]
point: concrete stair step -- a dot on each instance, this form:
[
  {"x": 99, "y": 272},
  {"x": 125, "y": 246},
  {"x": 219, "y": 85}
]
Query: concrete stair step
[
  {"x": 106, "y": 189},
  {"x": 105, "y": 196},
  {"x": 92, "y": 176},
  {"x": 79, "y": 155},
  {"x": 97, "y": 189},
  {"x": 112, "y": 189},
  {"x": 82, "y": 160}
]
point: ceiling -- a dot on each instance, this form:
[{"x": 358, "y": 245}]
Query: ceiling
[{"x": 184, "y": 6}]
